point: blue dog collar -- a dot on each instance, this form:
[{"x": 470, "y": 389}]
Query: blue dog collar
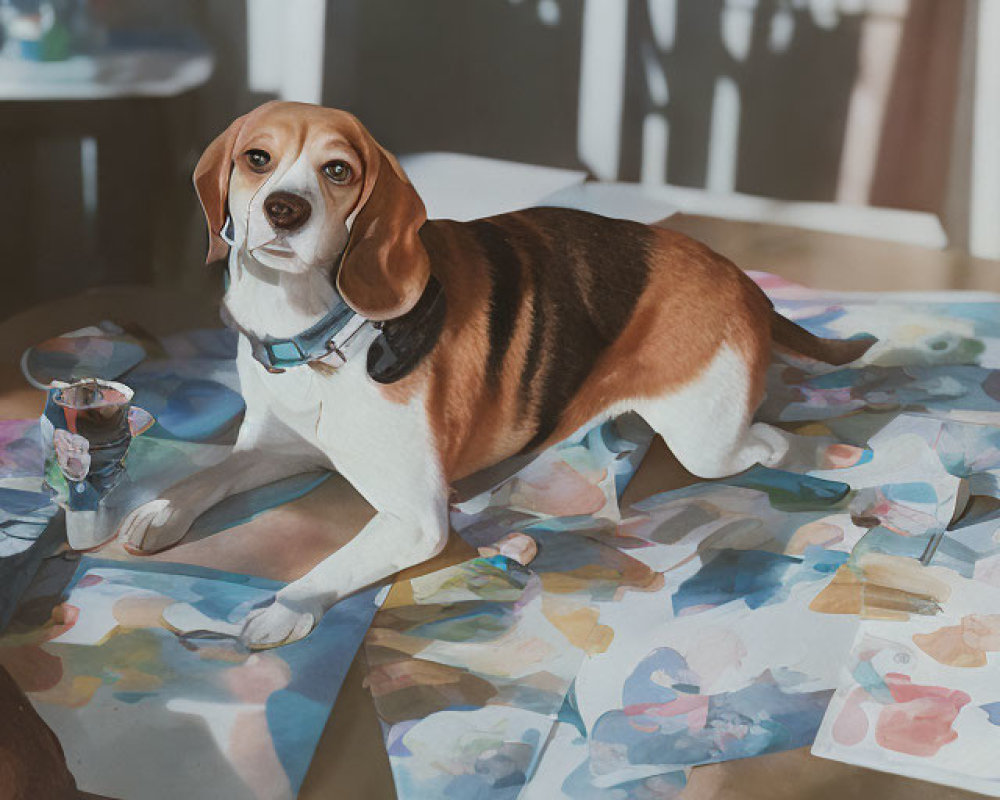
[{"x": 326, "y": 338}]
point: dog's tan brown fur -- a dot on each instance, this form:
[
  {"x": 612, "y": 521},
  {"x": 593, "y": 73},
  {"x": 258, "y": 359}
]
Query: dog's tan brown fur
[{"x": 695, "y": 299}]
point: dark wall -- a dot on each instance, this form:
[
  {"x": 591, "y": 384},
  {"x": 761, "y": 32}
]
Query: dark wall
[
  {"x": 793, "y": 108},
  {"x": 484, "y": 77},
  {"x": 147, "y": 226}
]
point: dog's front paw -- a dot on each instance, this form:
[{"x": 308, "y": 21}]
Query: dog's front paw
[
  {"x": 152, "y": 527},
  {"x": 279, "y": 623}
]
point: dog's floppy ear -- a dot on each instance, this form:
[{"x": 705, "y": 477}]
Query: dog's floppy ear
[
  {"x": 211, "y": 182},
  {"x": 385, "y": 266}
]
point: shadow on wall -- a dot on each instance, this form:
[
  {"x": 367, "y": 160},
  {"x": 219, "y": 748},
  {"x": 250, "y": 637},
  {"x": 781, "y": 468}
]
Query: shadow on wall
[
  {"x": 502, "y": 78},
  {"x": 756, "y": 100},
  {"x": 755, "y": 97},
  {"x": 491, "y": 77}
]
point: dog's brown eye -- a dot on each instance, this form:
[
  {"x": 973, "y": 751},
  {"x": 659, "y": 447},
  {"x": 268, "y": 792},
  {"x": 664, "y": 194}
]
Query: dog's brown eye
[
  {"x": 258, "y": 159},
  {"x": 338, "y": 171}
]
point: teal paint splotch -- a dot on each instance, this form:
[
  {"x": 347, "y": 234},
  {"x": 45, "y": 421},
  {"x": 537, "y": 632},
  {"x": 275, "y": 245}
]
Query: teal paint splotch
[
  {"x": 916, "y": 492},
  {"x": 821, "y": 561},
  {"x": 290, "y": 715},
  {"x": 569, "y": 714},
  {"x": 790, "y": 491},
  {"x": 869, "y": 679}
]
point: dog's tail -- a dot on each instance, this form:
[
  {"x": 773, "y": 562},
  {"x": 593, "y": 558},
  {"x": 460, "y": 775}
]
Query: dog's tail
[{"x": 785, "y": 334}]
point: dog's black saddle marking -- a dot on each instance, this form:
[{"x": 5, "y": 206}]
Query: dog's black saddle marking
[{"x": 406, "y": 340}]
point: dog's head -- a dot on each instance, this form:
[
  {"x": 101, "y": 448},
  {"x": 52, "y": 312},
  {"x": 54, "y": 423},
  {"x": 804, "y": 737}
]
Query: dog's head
[{"x": 308, "y": 188}]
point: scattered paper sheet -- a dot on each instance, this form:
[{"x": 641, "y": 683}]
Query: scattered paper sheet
[
  {"x": 145, "y": 713},
  {"x": 921, "y": 697},
  {"x": 451, "y": 184},
  {"x": 619, "y": 200}
]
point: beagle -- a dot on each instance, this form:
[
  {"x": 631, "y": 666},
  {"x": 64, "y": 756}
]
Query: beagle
[{"x": 409, "y": 353}]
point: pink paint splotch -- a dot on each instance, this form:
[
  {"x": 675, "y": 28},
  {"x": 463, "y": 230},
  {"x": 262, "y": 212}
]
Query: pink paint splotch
[
  {"x": 557, "y": 489},
  {"x": 851, "y": 725},
  {"x": 919, "y": 722},
  {"x": 841, "y": 456},
  {"x": 692, "y": 707}
]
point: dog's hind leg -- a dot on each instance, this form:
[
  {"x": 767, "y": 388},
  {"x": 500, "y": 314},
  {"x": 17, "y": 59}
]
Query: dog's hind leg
[{"x": 707, "y": 422}]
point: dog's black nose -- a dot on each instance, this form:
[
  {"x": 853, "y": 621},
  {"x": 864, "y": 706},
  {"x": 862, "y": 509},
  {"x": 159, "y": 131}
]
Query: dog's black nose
[{"x": 286, "y": 211}]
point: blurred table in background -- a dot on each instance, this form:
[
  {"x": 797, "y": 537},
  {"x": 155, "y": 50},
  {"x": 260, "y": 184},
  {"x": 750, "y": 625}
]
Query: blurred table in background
[
  {"x": 95, "y": 165},
  {"x": 350, "y": 760},
  {"x": 121, "y": 72}
]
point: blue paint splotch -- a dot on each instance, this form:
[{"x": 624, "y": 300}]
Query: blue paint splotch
[
  {"x": 992, "y": 712},
  {"x": 188, "y": 408},
  {"x": 662, "y": 722},
  {"x": 648, "y": 682},
  {"x": 757, "y": 577}
]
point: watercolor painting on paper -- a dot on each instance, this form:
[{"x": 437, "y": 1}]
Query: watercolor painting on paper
[
  {"x": 131, "y": 696},
  {"x": 921, "y": 697}
]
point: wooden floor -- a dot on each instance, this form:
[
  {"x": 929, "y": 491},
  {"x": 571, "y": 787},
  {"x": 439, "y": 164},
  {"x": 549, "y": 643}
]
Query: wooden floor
[
  {"x": 834, "y": 261},
  {"x": 350, "y": 761}
]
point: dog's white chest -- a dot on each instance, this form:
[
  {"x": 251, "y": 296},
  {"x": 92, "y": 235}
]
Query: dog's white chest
[{"x": 371, "y": 440}]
